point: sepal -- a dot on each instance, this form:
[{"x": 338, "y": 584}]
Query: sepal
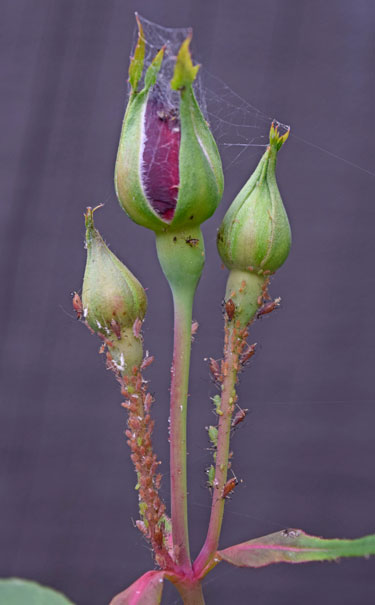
[
  {"x": 137, "y": 61},
  {"x": 184, "y": 72}
]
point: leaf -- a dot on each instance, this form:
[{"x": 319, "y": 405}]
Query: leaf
[
  {"x": 14, "y": 591},
  {"x": 147, "y": 590},
  {"x": 294, "y": 546}
]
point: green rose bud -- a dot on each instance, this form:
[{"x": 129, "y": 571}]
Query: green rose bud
[
  {"x": 114, "y": 302},
  {"x": 254, "y": 238},
  {"x": 255, "y": 233},
  {"x": 168, "y": 173}
]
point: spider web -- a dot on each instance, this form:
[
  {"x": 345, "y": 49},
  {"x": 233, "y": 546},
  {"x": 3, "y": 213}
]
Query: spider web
[{"x": 236, "y": 124}]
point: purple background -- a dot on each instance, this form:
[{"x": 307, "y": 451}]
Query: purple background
[{"x": 306, "y": 453}]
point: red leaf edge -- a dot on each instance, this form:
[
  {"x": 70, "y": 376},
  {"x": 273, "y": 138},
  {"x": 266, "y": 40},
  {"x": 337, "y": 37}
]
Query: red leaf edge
[{"x": 147, "y": 590}]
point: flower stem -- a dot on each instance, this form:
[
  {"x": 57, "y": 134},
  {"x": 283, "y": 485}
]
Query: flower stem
[
  {"x": 181, "y": 255},
  {"x": 178, "y": 411},
  {"x": 234, "y": 342},
  {"x": 191, "y": 594}
]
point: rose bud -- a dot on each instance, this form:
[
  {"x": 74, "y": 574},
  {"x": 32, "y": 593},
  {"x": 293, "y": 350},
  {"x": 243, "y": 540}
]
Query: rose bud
[
  {"x": 168, "y": 171},
  {"x": 113, "y": 300},
  {"x": 254, "y": 238}
]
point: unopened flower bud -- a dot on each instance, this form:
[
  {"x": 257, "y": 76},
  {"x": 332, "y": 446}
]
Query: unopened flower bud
[
  {"x": 255, "y": 233},
  {"x": 254, "y": 238},
  {"x": 113, "y": 300},
  {"x": 168, "y": 171}
]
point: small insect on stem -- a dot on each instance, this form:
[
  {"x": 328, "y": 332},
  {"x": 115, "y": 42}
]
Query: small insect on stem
[
  {"x": 192, "y": 242},
  {"x": 215, "y": 369},
  {"x": 247, "y": 355},
  {"x": 194, "y": 329},
  {"x": 77, "y": 305},
  {"x": 229, "y": 486},
  {"x": 239, "y": 417},
  {"x": 147, "y": 361},
  {"x": 269, "y": 307},
  {"x": 137, "y": 326},
  {"x": 210, "y": 476},
  {"x": 116, "y": 329},
  {"x": 230, "y": 308}
]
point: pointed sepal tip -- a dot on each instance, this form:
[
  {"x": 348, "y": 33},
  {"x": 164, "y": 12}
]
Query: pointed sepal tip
[
  {"x": 184, "y": 72},
  {"x": 276, "y": 139},
  {"x": 137, "y": 60}
]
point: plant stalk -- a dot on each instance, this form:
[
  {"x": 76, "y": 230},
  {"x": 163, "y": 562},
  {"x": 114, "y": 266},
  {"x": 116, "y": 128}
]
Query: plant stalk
[
  {"x": 181, "y": 256},
  {"x": 178, "y": 412},
  {"x": 191, "y": 594},
  {"x": 204, "y": 562}
]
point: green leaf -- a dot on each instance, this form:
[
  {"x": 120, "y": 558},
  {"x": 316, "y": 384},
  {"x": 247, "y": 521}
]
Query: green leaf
[
  {"x": 136, "y": 63},
  {"x": 14, "y": 591},
  {"x": 184, "y": 72},
  {"x": 294, "y": 546}
]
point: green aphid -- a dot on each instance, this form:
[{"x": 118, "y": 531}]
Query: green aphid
[
  {"x": 142, "y": 509},
  {"x": 217, "y": 403},
  {"x": 212, "y": 435},
  {"x": 210, "y": 476}
]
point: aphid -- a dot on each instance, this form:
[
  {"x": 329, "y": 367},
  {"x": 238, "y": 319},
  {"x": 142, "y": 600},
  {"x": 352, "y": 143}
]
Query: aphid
[
  {"x": 269, "y": 307},
  {"x": 210, "y": 475},
  {"x": 246, "y": 355},
  {"x": 230, "y": 308},
  {"x": 212, "y": 435},
  {"x": 229, "y": 486},
  {"x": 77, "y": 305},
  {"x": 147, "y": 361},
  {"x": 217, "y": 403},
  {"x": 239, "y": 417},
  {"x": 194, "y": 328},
  {"x": 137, "y": 326},
  {"x": 116, "y": 328},
  {"x": 192, "y": 242},
  {"x": 214, "y": 369}
]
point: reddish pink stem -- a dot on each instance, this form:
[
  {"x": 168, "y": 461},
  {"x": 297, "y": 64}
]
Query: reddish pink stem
[
  {"x": 205, "y": 560},
  {"x": 179, "y": 394}
]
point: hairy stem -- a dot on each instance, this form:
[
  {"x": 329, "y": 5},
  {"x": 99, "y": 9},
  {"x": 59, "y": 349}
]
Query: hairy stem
[
  {"x": 179, "y": 394},
  {"x": 140, "y": 426},
  {"x": 234, "y": 342}
]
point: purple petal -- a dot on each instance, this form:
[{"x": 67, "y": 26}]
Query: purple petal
[{"x": 160, "y": 166}]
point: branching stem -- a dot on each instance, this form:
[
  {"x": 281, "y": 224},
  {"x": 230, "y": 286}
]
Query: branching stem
[{"x": 191, "y": 593}]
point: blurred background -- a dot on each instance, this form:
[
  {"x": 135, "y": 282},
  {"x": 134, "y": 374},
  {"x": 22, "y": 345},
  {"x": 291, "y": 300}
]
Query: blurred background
[{"x": 306, "y": 451}]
